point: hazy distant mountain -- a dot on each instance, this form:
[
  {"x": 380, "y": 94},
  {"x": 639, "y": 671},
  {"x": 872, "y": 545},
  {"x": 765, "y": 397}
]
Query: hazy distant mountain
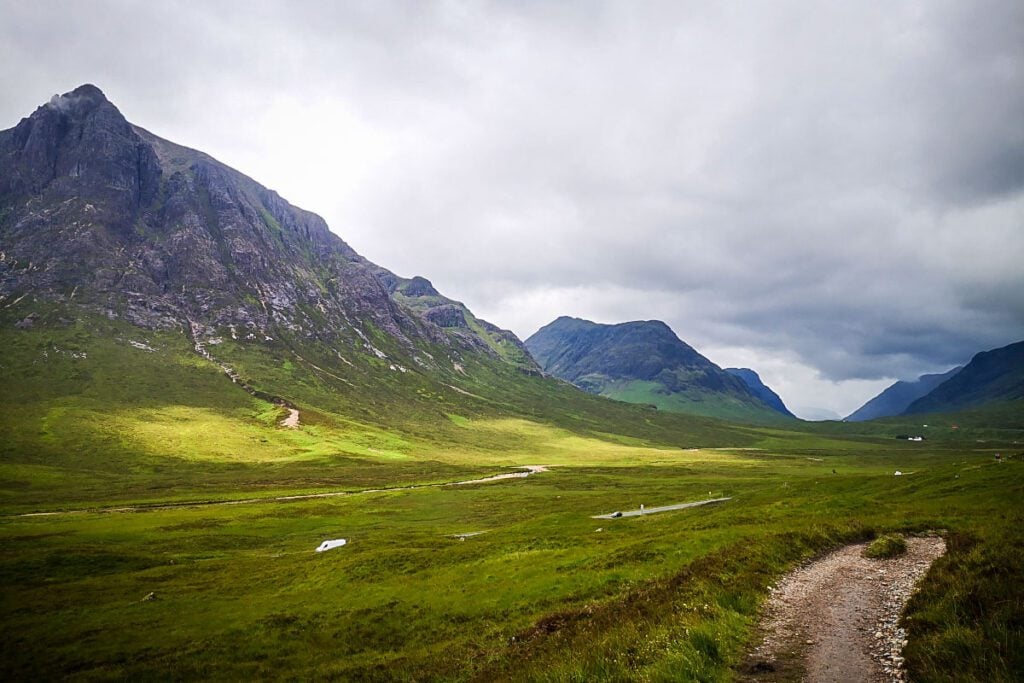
[
  {"x": 898, "y": 397},
  {"x": 760, "y": 389},
  {"x": 991, "y": 376},
  {"x": 814, "y": 414},
  {"x": 643, "y": 362}
]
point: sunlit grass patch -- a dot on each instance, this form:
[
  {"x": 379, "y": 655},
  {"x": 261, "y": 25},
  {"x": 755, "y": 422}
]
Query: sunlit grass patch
[
  {"x": 516, "y": 441},
  {"x": 193, "y": 433}
]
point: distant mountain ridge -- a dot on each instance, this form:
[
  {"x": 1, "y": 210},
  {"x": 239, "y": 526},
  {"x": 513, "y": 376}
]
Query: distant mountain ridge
[
  {"x": 760, "y": 389},
  {"x": 643, "y": 362},
  {"x": 817, "y": 414},
  {"x": 990, "y": 376},
  {"x": 897, "y": 398}
]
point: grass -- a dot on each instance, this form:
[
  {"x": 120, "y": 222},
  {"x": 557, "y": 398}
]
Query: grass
[
  {"x": 885, "y": 547},
  {"x": 541, "y": 594},
  {"x": 966, "y": 622},
  {"x": 544, "y": 592},
  {"x": 693, "y": 401}
]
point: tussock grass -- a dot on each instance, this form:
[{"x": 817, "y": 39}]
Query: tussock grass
[
  {"x": 886, "y": 546},
  {"x": 967, "y": 620}
]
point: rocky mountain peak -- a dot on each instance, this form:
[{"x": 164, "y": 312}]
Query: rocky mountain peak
[
  {"x": 78, "y": 144},
  {"x": 96, "y": 210},
  {"x": 79, "y": 102}
]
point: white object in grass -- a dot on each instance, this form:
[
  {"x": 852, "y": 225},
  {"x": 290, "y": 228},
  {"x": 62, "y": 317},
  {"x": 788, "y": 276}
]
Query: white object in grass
[{"x": 330, "y": 545}]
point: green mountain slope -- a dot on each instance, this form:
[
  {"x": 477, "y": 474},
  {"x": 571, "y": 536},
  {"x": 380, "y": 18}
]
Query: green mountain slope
[
  {"x": 643, "y": 362},
  {"x": 99, "y": 409},
  {"x": 991, "y": 376}
]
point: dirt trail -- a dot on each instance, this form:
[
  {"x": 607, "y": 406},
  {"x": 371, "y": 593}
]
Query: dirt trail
[
  {"x": 837, "y": 619},
  {"x": 529, "y": 469}
]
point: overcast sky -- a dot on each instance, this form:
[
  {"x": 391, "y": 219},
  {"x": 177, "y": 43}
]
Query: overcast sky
[{"x": 831, "y": 193}]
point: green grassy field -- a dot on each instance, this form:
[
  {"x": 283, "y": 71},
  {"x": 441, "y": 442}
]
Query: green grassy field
[
  {"x": 541, "y": 592},
  {"x": 544, "y": 592}
]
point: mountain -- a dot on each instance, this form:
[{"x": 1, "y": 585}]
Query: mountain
[
  {"x": 898, "y": 397},
  {"x": 642, "y": 362},
  {"x": 991, "y": 377},
  {"x": 760, "y": 389},
  {"x": 815, "y": 414},
  {"x": 158, "y": 307},
  {"x": 103, "y": 214}
]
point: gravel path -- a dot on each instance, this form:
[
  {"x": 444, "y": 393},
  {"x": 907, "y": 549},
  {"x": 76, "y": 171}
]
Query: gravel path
[
  {"x": 663, "y": 508},
  {"x": 837, "y": 618}
]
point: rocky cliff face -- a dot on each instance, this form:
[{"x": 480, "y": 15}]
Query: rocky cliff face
[{"x": 97, "y": 212}]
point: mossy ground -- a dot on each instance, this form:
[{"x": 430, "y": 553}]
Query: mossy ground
[{"x": 544, "y": 593}]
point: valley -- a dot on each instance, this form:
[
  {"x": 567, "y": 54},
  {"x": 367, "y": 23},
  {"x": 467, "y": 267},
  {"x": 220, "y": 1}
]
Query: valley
[
  {"x": 201, "y": 385},
  {"x": 536, "y": 590}
]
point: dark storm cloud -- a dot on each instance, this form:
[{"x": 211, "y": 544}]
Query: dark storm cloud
[{"x": 834, "y": 186}]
